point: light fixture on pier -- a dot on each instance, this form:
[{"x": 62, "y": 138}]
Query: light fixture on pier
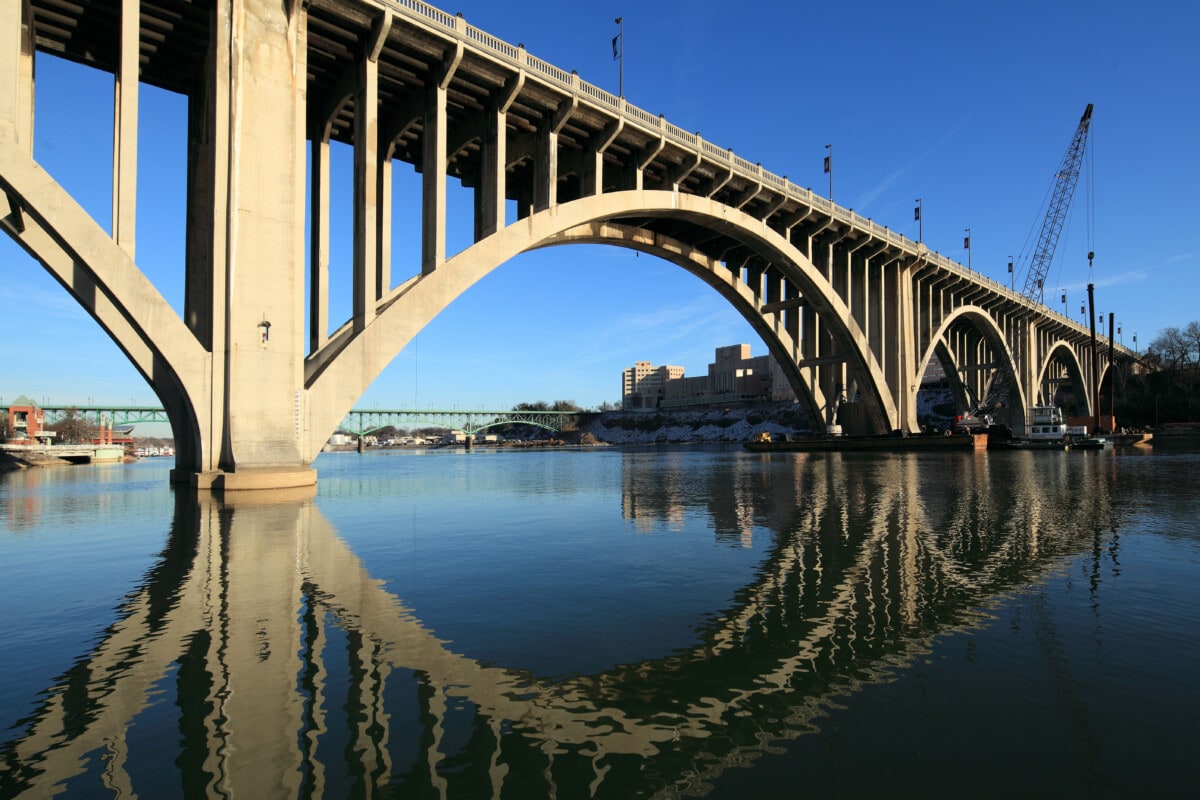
[{"x": 265, "y": 327}]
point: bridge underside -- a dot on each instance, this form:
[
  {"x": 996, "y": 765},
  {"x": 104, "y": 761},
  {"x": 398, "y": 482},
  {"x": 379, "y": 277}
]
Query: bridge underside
[{"x": 850, "y": 310}]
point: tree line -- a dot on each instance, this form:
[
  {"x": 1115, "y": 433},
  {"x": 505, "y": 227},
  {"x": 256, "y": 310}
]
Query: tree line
[{"x": 1169, "y": 391}]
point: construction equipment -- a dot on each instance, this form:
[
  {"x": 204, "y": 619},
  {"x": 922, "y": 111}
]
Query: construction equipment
[{"x": 1060, "y": 201}]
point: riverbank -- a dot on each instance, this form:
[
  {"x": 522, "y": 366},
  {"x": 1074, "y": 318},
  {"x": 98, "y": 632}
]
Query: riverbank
[
  {"x": 11, "y": 460},
  {"x": 726, "y": 424}
]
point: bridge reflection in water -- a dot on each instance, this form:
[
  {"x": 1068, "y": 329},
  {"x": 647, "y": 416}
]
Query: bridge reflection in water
[{"x": 292, "y": 671}]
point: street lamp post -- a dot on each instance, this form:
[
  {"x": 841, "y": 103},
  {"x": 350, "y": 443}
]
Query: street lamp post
[
  {"x": 967, "y": 245},
  {"x": 1011, "y": 286},
  {"x": 920, "y": 222}
]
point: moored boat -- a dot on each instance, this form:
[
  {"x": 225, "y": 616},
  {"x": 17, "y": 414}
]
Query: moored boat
[{"x": 1046, "y": 424}]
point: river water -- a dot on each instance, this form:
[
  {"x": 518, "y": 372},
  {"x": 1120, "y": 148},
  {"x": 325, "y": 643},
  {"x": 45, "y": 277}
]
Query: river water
[{"x": 611, "y": 623}]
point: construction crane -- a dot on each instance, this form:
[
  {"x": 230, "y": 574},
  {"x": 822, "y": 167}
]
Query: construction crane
[{"x": 1060, "y": 201}]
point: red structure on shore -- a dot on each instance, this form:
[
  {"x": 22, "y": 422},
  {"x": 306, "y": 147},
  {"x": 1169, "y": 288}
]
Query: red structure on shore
[{"x": 27, "y": 422}]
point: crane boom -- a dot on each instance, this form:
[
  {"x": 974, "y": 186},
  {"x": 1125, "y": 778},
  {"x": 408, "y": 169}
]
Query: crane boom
[{"x": 1060, "y": 201}]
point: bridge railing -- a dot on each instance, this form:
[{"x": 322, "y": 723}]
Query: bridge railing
[
  {"x": 457, "y": 27},
  {"x": 571, "y": 83}
]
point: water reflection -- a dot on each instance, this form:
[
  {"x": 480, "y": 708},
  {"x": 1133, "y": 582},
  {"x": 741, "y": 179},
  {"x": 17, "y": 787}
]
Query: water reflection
[{"x": 270, "y": 662}]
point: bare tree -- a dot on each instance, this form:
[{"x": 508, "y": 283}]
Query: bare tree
[
  {"x": 1191, "y": 335},
  {"x": 1171, "y": 347},
  {"x": 72, "y": 427}
]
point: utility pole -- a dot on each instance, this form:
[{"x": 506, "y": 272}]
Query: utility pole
[
  {"x": 1095, "y": 360},
  {"x": 1112, "y": 389}
]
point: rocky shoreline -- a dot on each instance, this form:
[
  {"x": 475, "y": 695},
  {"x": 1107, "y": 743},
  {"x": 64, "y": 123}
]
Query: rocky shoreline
[{"x": 10, "y": 460}]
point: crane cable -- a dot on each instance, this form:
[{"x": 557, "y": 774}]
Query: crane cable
[{"x": 1091, "y": 204}]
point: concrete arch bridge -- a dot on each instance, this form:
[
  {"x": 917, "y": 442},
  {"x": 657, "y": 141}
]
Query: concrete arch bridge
[{"x": 852, "y": 311}]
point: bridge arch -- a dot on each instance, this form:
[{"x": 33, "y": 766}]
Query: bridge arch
[
  {"x": 1062, "y": 358},
  {"x": 340, "y": 371},
  {"x": 969, "y": 340},
  {"x": 102, "y": 277}
]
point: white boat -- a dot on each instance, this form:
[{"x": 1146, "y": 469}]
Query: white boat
[{"x": 1046, "y": 424}]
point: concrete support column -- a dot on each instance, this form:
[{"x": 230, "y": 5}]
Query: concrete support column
[
  {"x": 433, "y": 182},
  {"x": 489, "y": 212},
  {"x": 16, "y": 74},
  {"x": 433, "y": 168},
  {"x": 318, "y": 249},
  {"x": 794, "y": 317},
  {"x": 545, "y": 181},
  {"x": 900, "y": 296},
  {"x": 366, "y": 178},
  {"x": 1027, "y": 371},
  {"x": 383, "y": 223},
  {"x": 690, "y": 162},
  {"x": 645, "y": 157},
  {"x": 809, "y": 331},
  {"x": 254, "y": 152},
  {"x": 593, "y": 164},
  {"x": 880, "y": 334},
  {"x": 493, "y": 181},
  {"x": 207, "y": 239},
  {"x": 125, "y": 129}
]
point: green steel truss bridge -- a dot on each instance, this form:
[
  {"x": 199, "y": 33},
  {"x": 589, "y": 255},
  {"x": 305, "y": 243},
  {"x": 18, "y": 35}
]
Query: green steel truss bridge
[
  {"x": 358, "y": 421},
  {"x": 364, "y": 422},
  {"x": 116, "y": 415}
]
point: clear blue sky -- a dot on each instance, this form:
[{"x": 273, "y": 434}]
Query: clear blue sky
[{"x": 968, "y": 106}]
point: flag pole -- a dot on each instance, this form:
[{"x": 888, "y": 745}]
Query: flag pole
[
  {"x": 829, "y": 168},
  {"x": 619, "y": 54}
]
